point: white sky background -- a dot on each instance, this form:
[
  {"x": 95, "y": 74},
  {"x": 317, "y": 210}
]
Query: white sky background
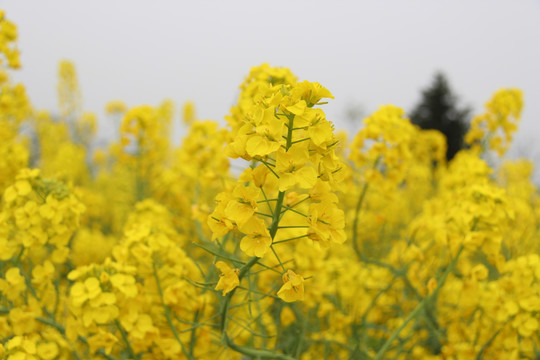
[{"x": 364, "y": 52}]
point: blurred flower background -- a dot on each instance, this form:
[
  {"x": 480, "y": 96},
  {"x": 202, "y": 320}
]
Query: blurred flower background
[{"x": 367, "y": 53}]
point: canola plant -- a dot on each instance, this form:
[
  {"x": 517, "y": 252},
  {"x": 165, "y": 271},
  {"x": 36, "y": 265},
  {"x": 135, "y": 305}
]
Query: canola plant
[{"x": 319, "y": 248}]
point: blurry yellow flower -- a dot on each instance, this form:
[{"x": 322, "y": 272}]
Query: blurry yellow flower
[
  {"x": 13, "y": 284},
  {"x": 124, "y": 283},
  {"x": 47, "y": 350},
  {"x": 431, "y": 285},
  {"x": 287, "y": 316},
  {"x": 188, "y": 113},
  {"x": 103, "y": 339},
  {"x": 82, "y": 291},
  {"x": 115, "y": 107},
  {"x": 525, "y": 324}
]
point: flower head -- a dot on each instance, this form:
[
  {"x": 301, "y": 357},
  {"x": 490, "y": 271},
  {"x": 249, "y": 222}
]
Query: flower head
[
  {"x": 293, "y": 287},
  {"x": 228, "y": 280}
]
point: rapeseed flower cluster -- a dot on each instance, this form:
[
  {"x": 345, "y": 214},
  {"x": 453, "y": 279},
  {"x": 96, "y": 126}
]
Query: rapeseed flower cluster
[{"x": 316, "y": 248}]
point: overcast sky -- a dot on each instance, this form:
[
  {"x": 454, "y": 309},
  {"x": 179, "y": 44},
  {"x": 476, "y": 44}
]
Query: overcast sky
[{"x": 364, "y": 52}]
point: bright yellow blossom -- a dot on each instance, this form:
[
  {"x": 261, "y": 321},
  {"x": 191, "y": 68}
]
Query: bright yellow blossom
[
  {"x": 257, "y": 240},
  {"x": 293, "y": 287},
  {"x": 228, "y": 280}
]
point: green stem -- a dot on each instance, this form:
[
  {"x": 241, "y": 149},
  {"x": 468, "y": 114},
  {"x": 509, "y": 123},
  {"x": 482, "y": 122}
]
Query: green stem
[
  {"x": 277, "y": 257},
  {"x": 263, "y": 214},
  {"x": 447, "y": 272},
  {"x": 297, "y": 141},
  {"x": 290, "y": 131},
  {"x": 168, "y": 315},
  {"x": 193, "y": 338},
  {"x": 420, "y": 306},
  {"x": 245, "y": 268},
  {"x": 277, "y": 212},
  {"x": 357, "y": 216},
  {"x": 126, "y": 340},
  {"x": 263, "y": 294},
  {"x": 357, "y": 212},
  {"x": 267, "y": 202},
  {"x": 396, "y": 332},
  {"x": 269, "y": 167},
  {"x": 480, "y": 355},
  {"x": 256, "y": 354},
  {"x": 293, "y": 210},
  {"x": 371, "y": 306},
  {"x": 269, "y": 268},
  {"x": 219, "y": 254},
  {"x": 301, "y": 339},
  {"x": 225, "y": 309},
  {"x": 289, "y": 239},
  {"x": 294, "y": 227}
]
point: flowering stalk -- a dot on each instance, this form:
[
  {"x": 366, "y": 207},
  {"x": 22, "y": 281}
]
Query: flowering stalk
[
  {"x": 274, "y": 227},
  {"x": 357, "y": 212}
]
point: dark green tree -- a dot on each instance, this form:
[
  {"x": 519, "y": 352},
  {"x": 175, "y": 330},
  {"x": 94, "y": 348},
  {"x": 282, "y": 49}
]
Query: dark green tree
[{"x": 438, "y": 109}]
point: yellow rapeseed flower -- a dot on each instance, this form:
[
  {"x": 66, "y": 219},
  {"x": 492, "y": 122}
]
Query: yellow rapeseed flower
[
  {"x": 228, "y": 280},
  {"x": 293, "y": 287}
]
